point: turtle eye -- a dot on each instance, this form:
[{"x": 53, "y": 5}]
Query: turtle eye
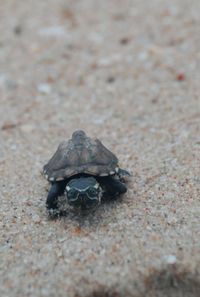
[
  {"x": 92, "y": 192},
  {"x": 72, "y": 194}
]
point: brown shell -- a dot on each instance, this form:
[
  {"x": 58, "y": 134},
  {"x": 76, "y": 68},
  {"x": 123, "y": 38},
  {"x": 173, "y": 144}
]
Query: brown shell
[{"x": 80, "y": 154}]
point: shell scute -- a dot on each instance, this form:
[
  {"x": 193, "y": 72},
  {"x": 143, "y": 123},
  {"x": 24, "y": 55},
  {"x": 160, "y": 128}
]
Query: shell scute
[{"x": 80, "y": 154}]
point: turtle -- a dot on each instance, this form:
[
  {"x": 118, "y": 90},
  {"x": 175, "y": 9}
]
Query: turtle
[{"x": 85, "y": 171}]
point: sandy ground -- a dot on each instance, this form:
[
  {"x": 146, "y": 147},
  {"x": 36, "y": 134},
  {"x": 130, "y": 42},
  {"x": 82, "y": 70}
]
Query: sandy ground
[{"x": 127, "y": 72}]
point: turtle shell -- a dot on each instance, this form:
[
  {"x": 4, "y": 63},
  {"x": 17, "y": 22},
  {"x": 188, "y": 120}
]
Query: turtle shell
[{"x": 80, "y": 154}]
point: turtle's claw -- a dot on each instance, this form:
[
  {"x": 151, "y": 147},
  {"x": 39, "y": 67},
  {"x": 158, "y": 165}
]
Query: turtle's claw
[{"x": 53, "y": 213}]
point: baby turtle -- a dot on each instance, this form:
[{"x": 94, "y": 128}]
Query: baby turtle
[{"x": 85, "y": 170}]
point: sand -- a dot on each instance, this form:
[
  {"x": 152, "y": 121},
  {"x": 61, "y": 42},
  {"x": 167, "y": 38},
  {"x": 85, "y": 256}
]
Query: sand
[{"x": 126, "y": 72}]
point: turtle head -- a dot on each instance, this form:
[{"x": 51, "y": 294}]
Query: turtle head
[{"x": 84, "y": 192}]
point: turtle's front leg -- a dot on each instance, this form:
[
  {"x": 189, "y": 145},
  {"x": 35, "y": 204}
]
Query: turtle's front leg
[
  {"x": 113, "y": 187},
  {"x": 56, "y": 190}
]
